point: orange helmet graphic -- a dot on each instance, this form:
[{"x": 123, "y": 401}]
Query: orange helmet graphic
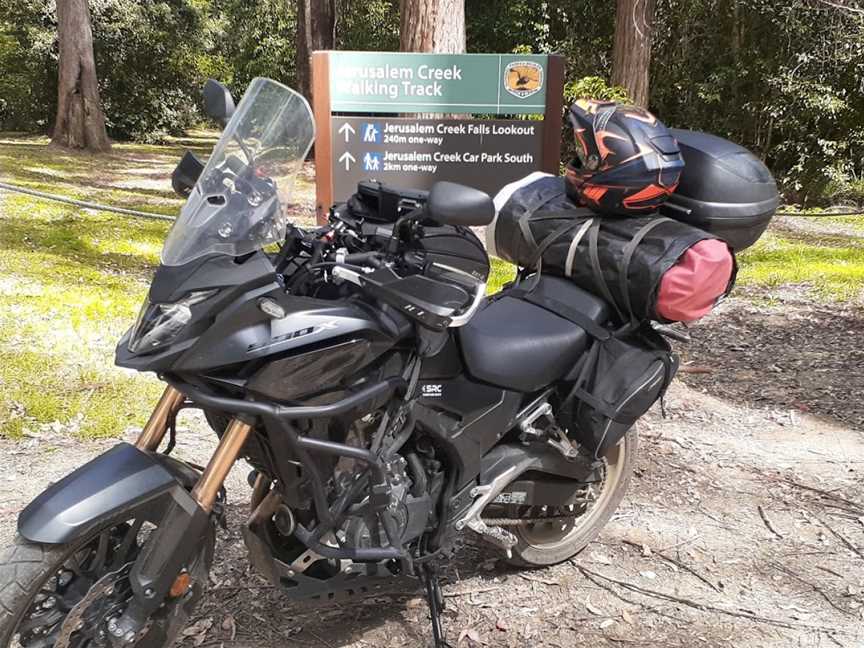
[{"x": 627, "y": 161}]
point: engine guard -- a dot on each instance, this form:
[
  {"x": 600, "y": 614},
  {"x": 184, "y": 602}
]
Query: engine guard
[{"x": 124, "y": 477}]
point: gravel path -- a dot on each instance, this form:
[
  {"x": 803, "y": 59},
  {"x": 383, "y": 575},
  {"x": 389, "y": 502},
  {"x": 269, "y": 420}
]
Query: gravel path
[{"x": 743, "y": 527}]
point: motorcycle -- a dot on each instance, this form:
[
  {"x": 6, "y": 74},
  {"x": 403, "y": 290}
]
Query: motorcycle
[{"x": 383, "y": 401}]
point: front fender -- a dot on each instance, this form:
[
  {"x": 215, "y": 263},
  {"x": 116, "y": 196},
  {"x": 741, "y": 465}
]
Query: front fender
[{"x": 122, "y": 478}]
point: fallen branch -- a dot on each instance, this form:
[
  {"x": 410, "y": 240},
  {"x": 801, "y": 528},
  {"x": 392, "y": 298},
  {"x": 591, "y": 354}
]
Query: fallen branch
[
  {"x": 767, "y": 522},
  {"x": 654, "y": 610},
  {"x": 678, "y": 564},
  {"x": 705, "y": 607},
  {"x": 480, "y": 590},
  {"x": 812, "y": 586},
  {"x": 542, "y": 581},
  {"x": 840, "y": 537},
  {"x": 856, "y": 506}
]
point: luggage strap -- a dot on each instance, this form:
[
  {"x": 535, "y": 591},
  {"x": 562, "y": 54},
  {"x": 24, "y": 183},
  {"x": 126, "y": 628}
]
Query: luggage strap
[
  {"x": 626, "y": 308},
  {"x": 597, "y": 271},
  {"x": 629, "y": 249},
  {"x": 530, "y": 209},
  {"x": 562, "y": 310}
]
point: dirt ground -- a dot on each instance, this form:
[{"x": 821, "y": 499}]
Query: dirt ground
[{"x": 743, "y": 526}]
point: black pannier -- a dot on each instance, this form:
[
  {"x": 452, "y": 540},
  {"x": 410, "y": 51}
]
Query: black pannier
[
  {"x": 620, "y": 381},
  {"x": 622, "y": 260},
  {"x": 619, "y": 378},
  {"x": 724, "y": 189}
]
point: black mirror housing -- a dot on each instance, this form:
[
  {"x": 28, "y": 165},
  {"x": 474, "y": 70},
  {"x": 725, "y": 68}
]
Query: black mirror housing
[
  {"x": 455, "y": 204},
  {"x": 186, "y": 174},
  {"x": 218, "y": 102}
]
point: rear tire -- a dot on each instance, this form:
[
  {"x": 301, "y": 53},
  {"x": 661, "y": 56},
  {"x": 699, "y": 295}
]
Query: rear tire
[{"x": 543, "y": 544}]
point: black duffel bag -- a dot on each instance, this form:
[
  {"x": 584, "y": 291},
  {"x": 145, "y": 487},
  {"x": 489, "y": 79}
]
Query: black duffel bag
[{"x": 622, "y": 260}]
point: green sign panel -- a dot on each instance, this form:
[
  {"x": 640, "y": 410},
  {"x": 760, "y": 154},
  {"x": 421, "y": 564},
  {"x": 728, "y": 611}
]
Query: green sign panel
[{"x": 393, "y": 82}]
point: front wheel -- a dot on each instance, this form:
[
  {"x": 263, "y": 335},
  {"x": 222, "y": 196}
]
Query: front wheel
[
  {"x": 66, "y": 596},
  {"x": 550, "y": 535}
]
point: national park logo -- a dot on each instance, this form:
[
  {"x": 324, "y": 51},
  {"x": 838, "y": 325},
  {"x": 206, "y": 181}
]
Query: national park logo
[{"x": 523, "y": 78}]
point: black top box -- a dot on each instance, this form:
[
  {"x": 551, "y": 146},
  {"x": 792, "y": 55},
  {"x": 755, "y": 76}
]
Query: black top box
[{"x": 724, "y": 189}]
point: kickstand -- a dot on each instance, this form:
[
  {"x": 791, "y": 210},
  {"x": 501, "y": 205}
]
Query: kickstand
[{"x": 435, "y": 599}]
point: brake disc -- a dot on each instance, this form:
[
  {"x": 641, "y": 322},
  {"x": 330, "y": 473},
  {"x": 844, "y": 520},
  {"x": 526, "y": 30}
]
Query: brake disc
[{"x": 106, "y": 599}]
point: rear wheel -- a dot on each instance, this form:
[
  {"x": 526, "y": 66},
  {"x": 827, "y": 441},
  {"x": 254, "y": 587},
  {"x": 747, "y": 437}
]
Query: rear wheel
[
  {"x": 66, "y": 596},
  {"x": 549, "y": 535}
]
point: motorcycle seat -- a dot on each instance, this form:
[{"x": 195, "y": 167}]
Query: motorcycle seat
[{"x": 514, "y": 344}]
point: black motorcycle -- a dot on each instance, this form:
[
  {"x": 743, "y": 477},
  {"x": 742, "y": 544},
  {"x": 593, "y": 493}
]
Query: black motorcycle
[{"x": 384, "y": 402}]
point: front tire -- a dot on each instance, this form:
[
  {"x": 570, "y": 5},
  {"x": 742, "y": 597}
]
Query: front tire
[
  {"x": 43, "y": 590},
  {"x": 540, "y": 544}
]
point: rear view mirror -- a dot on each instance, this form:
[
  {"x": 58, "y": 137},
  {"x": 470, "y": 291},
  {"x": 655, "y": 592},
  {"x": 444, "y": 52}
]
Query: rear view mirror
[
  {"x": 218, "y": 103},
  {"x": 186, "y": 174},
  {"x": 454, "y": 204}
]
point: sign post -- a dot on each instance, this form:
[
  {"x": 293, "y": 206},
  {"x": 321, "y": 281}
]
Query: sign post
[{"x": 415, "y": 152}]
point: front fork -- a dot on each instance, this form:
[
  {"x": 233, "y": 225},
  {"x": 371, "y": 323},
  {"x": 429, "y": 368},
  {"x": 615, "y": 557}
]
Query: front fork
[
  {"x": 159, "y": 570},
  {"x": 230, "y": 445}
]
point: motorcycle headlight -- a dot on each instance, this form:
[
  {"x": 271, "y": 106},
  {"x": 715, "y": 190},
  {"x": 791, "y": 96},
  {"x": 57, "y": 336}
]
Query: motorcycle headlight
[{"x": 158, "y": 324}]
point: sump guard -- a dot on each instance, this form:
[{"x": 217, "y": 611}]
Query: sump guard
[{"x": 121, "y": 478}]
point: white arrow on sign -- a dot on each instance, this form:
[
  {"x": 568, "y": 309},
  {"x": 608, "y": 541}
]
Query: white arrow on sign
[
  {"x": 348, "y": 130},
  {"x": 347, "y": 158}
]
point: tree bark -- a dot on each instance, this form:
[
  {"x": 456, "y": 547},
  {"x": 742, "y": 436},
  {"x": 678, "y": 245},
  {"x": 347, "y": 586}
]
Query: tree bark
[
  {"x": 432, "y": 26},
  {"x": 316, "y": 30},
  {"x": 634, "y": 28},
  {"x": 80, "y": 121}
]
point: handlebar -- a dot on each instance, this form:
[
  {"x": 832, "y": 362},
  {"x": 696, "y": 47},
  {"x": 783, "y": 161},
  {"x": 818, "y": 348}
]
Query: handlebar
[{"x": 464, "y": 318}]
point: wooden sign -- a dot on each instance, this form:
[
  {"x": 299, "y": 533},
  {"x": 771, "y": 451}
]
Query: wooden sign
[{"x": 417, "y": 152}]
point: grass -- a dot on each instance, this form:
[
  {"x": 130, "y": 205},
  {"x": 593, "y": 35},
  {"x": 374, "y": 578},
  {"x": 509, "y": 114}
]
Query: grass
[
  {"x": 501, "y": 272},
  {"x": 72, "y": 280},
  {"x": 833, "y": 265}
]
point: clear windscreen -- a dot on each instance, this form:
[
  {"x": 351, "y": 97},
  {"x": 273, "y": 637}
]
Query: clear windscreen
[{"x": 239, "y": 203}]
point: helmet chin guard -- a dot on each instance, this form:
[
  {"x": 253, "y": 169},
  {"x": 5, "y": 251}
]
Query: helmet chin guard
[{"x": 627, "y": 162}]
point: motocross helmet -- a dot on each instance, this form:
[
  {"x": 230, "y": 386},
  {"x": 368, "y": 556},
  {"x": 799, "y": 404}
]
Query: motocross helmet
[{"x": 627, "y": 161}]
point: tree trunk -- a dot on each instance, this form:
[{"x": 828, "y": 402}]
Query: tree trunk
[
  {"x": 432, "y": 26},
  {"x": 634, "y": 28},
  {"x": 80, "y": 121},
  {"x": 316, "y": 30}
]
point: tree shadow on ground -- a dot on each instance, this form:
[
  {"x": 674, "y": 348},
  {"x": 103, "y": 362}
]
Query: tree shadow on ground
[
  {"x": 806, "y": 359},
  {"x": 69, "y": 239}
]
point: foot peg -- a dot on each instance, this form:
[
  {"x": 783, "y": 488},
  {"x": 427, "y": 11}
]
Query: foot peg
[{"x": 496, "y": 535}]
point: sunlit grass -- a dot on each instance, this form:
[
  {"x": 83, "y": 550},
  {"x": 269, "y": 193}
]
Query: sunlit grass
[
  {"x": 71, "y": 282},
  {"x": 832, "y": 265}
]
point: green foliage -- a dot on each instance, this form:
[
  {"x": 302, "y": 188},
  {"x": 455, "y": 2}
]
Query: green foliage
[
  {"x": 593, "y": 87},
  {"x": 783, "y": 79},
  {"x": 151, "y": 58},
  {"x": 368, "y": 25},
  {"x": 253, "y": 39}
]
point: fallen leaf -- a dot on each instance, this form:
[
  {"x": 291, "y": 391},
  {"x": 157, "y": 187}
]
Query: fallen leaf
[
  {"x": 591, "y": 608},
  {"x": 469, "y": 633},
  {"x": 230, "y": 626},
  {"x": 628, "y": 618},
  {"x": 650, "y": 575}
]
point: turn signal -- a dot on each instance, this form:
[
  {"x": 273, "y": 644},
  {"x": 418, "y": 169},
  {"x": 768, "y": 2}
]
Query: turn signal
[{"x": 181, "y": 585}]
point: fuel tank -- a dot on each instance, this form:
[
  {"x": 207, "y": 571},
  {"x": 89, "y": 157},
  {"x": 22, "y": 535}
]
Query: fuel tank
[
  {"x": 258, "y": 337},
  {"x": 314, "y": 341}
]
